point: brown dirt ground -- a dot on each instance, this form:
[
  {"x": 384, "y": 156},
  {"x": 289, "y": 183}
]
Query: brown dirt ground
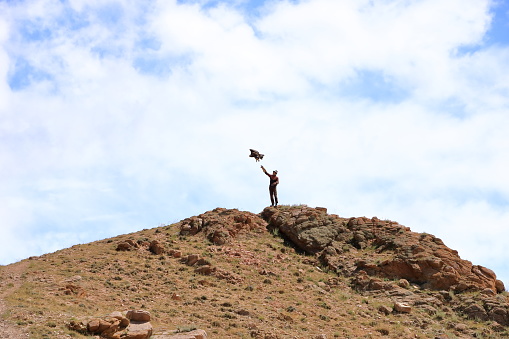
[{"x": 10, "y": 283}]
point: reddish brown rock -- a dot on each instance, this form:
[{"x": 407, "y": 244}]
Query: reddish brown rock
[
  {"x": 384, "y": 309},
  {"x": 220, "y": 224},
  {"x": 476, "y": 311},
  {"x": 138, "y": 315},
  {"x": 499, "y": 285},
  {"x": 127, "y": 245},
  {"x": 398, "y": 252},
  {"x": 93, "y": 326},
  {"x": 156, "y": 247},
  {"x": 380, "y": 257},
  {"x": 205, "y": 270},
  {"x": 142, "y": 330},
  {"x": 402, "y": 307},
  {"x": 124, "y": 322},
  {"x": 191, "y": 259},
  {"x": 78, "y": 326},
  {"x": 117, "y": 326},
  {"x": 175, "y": 253}
]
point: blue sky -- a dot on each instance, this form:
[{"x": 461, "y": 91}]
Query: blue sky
[{"x": 117, "y": 116}]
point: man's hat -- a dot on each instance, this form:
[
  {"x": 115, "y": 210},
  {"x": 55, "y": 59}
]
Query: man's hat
[{"x": 275, "y": 171}]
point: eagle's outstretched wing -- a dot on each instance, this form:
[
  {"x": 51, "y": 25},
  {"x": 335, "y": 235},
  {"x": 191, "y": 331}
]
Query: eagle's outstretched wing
[{"x": 255, "y": 154}]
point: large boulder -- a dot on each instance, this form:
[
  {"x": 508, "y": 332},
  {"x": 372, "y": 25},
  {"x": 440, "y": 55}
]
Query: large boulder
[
  {"x": 133, "y": 325},
  {"x": 138, "y": 316},
  {"x": 138, "y": 330}
]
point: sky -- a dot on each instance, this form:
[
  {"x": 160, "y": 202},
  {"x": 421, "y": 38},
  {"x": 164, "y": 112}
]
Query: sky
[{"x": 117, "y": 116}]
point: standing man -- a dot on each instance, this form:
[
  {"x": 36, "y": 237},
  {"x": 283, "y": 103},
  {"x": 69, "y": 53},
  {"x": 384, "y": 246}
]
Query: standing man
[{"x": 274, "y": 180}]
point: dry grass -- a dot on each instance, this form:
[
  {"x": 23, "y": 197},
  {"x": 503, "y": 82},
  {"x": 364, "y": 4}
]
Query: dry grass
[{"x": 270, "y": 289}]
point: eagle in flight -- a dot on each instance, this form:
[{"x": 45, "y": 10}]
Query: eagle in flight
[{"x": 255, "y": 154}]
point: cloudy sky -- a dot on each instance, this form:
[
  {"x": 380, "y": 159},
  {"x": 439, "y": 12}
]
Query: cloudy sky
[{"x": 117, "y": 116}]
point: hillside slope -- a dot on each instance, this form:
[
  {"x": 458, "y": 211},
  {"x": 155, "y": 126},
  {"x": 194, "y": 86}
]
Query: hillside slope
[{"x": 290, "y": 272}]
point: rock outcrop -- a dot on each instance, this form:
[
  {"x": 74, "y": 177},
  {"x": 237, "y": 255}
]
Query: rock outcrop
[
  {"x": 381, "y": 257},
  {"x": 382, "y": 248},
  {"x": 220, "y": 224},
  {"x": 133, "y": 324}
]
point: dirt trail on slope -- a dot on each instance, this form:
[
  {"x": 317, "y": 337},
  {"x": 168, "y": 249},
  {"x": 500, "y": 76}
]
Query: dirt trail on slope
[{"x": 10, "y": 281}]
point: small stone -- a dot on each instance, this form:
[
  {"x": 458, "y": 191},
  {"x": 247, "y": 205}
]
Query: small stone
[
  {"x": 175, "y": 253},
  {"x": 93, "y": 325},
  {"x": 403, "y": 283},
  {"x": 385, "y": 309},
  {"x": 192, "y": 259},
  {"x": 461, "y": 327},
  {"x": 124, "y": 322},
  {"x": 156, "y": 247},
  {"x": 124, "y": 246},
  {"x": 402, "y": 307},
  {"x": 205, "y": 270},
  {"x": 138, "y": 315},
  {"x": 243, "y": 312}
]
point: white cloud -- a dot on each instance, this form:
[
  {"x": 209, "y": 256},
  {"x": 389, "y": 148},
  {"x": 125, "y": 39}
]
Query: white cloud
[{"x": 414, "y": 42}]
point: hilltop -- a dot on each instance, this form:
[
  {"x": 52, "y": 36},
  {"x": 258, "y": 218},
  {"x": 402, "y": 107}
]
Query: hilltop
[{"x": 287, "y": 272}]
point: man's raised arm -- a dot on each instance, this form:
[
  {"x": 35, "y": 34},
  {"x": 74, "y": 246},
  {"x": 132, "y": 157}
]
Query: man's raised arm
[{"x": 264, "y": 171}]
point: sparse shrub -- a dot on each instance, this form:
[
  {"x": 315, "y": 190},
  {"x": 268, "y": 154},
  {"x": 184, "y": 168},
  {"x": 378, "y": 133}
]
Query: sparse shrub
[
  {"x": 440, "y": 315},
  {"x": 290, "y": 309},
  {"x": 324, "y": 305},
  {"x": 275, "y": 232},
  {"x": 324, "y": 317},
  {"x": 383, "y": 331},
  {"x": 229, "y": 316}
]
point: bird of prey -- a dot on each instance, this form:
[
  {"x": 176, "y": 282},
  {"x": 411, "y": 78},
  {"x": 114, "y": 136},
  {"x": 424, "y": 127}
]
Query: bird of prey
[{"x": 255, "y": 154}]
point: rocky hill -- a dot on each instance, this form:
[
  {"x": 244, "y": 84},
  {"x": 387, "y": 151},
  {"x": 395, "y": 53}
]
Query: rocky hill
[{"x": 288, "y": 272}]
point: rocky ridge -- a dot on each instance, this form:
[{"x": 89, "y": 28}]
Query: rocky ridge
[
  {"x": 288, "y": 272},
  {"x": 372, "y": 251},
  {"x": 394, "y": 251},
  {"x": 379, "y": 256}
]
